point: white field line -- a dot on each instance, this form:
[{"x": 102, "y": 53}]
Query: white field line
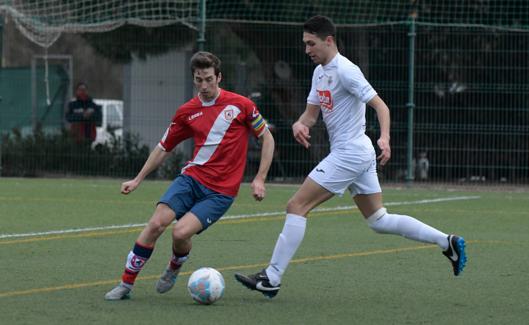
[{"x": 229, "y": 217}]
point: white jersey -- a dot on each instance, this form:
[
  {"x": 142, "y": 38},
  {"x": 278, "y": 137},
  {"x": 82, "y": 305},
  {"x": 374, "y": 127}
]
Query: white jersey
[{"x": 341, "y": 91}]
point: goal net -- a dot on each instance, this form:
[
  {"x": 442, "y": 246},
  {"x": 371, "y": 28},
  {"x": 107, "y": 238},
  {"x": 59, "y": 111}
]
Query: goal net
[{"x": 43, "y": 21}]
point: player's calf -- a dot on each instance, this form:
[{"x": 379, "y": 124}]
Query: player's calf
[
  {"x": 138, "y": 256},
  {"x": 406, "y": 226}
]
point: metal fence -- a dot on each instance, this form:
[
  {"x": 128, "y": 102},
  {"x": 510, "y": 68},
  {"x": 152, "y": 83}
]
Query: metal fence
[{"x": 470, "y": 96}]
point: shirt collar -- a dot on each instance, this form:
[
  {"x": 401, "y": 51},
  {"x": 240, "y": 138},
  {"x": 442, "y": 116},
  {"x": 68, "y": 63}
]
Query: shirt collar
[
  {"x": 332, "y": 63},
  {"x": 211, "y": 102}
]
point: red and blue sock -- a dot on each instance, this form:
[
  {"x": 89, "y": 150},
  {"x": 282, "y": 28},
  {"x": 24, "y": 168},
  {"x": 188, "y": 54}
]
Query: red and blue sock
[
  {"x": 177, "y": 260},
  {"x": 136, "y": 259}
]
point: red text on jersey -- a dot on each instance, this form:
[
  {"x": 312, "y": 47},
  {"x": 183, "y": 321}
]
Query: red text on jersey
[{"x": 325, "y": 99}]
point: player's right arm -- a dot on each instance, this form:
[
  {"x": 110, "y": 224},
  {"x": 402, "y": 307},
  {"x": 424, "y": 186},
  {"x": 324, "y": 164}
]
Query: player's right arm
[
  {"x": 176, "y": 133},
  {"x": 155, "y": 159},
  {"x": 301, "y": 128}
]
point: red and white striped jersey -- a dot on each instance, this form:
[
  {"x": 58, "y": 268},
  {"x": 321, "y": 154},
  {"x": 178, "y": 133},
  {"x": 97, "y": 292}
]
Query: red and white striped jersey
[{"x": 220, "y": 130}]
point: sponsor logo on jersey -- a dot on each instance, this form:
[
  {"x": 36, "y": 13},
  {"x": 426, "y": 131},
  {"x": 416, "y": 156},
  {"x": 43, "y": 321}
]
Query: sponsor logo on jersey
[
  {"x": 194, "y": 116},
  {"x": 325, "y": 99}
]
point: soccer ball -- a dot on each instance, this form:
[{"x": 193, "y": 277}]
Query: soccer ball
[{"x": 206, "y": 285}]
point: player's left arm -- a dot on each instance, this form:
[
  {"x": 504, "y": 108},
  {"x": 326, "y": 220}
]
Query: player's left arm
[
  {"x": 384, "y": 120},
  {"x": 267, "y": 154}
]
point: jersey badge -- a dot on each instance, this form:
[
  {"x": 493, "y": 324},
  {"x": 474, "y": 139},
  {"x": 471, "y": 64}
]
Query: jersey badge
[{"x": 228, "y": 114}]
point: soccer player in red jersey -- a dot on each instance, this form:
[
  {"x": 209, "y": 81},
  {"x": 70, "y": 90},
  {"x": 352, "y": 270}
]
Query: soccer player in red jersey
[{"x": 219, "y": 122}]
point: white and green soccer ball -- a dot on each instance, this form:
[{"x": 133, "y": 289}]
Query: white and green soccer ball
[{"x": 206, "y": 285}]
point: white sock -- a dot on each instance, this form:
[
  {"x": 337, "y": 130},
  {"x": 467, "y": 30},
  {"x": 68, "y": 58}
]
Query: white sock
[
  {"x": 286, "y": 246},
  {"x": 406, "y": 226}
]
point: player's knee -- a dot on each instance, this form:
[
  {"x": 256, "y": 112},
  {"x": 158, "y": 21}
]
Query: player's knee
[
  {"x": 181, "y": 235},
  {"x": 375, "y": 221},
  {"x": 163, "y": 217},
  {"x": 296, "y": 207},
  {"x": 156, "y": 227},
  {"x": 291, "y": 204}
]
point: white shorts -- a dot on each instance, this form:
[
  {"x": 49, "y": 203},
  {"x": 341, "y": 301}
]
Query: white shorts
[{"x": 340, "y": 171}]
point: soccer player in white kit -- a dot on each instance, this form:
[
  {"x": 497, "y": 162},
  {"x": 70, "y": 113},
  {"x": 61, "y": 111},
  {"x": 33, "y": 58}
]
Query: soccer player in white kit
[{"x": 340, "y": 91}]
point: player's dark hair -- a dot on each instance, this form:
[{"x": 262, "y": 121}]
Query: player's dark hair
[
  {"x": 205, "y": 60},
  {"x": 320, "y": 26}
]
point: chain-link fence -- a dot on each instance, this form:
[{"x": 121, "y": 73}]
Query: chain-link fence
[{"x": 469, "y": 98}]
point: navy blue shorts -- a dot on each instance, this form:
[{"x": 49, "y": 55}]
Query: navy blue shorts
[{"x": 187, "y": 195}]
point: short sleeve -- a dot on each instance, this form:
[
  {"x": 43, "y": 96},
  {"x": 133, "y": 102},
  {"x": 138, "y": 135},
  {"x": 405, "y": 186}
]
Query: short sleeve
[
  {"x": 175, "y": 133},
  {"x": 313, "y": 98},
  {"x": 354, "y": 81}
]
